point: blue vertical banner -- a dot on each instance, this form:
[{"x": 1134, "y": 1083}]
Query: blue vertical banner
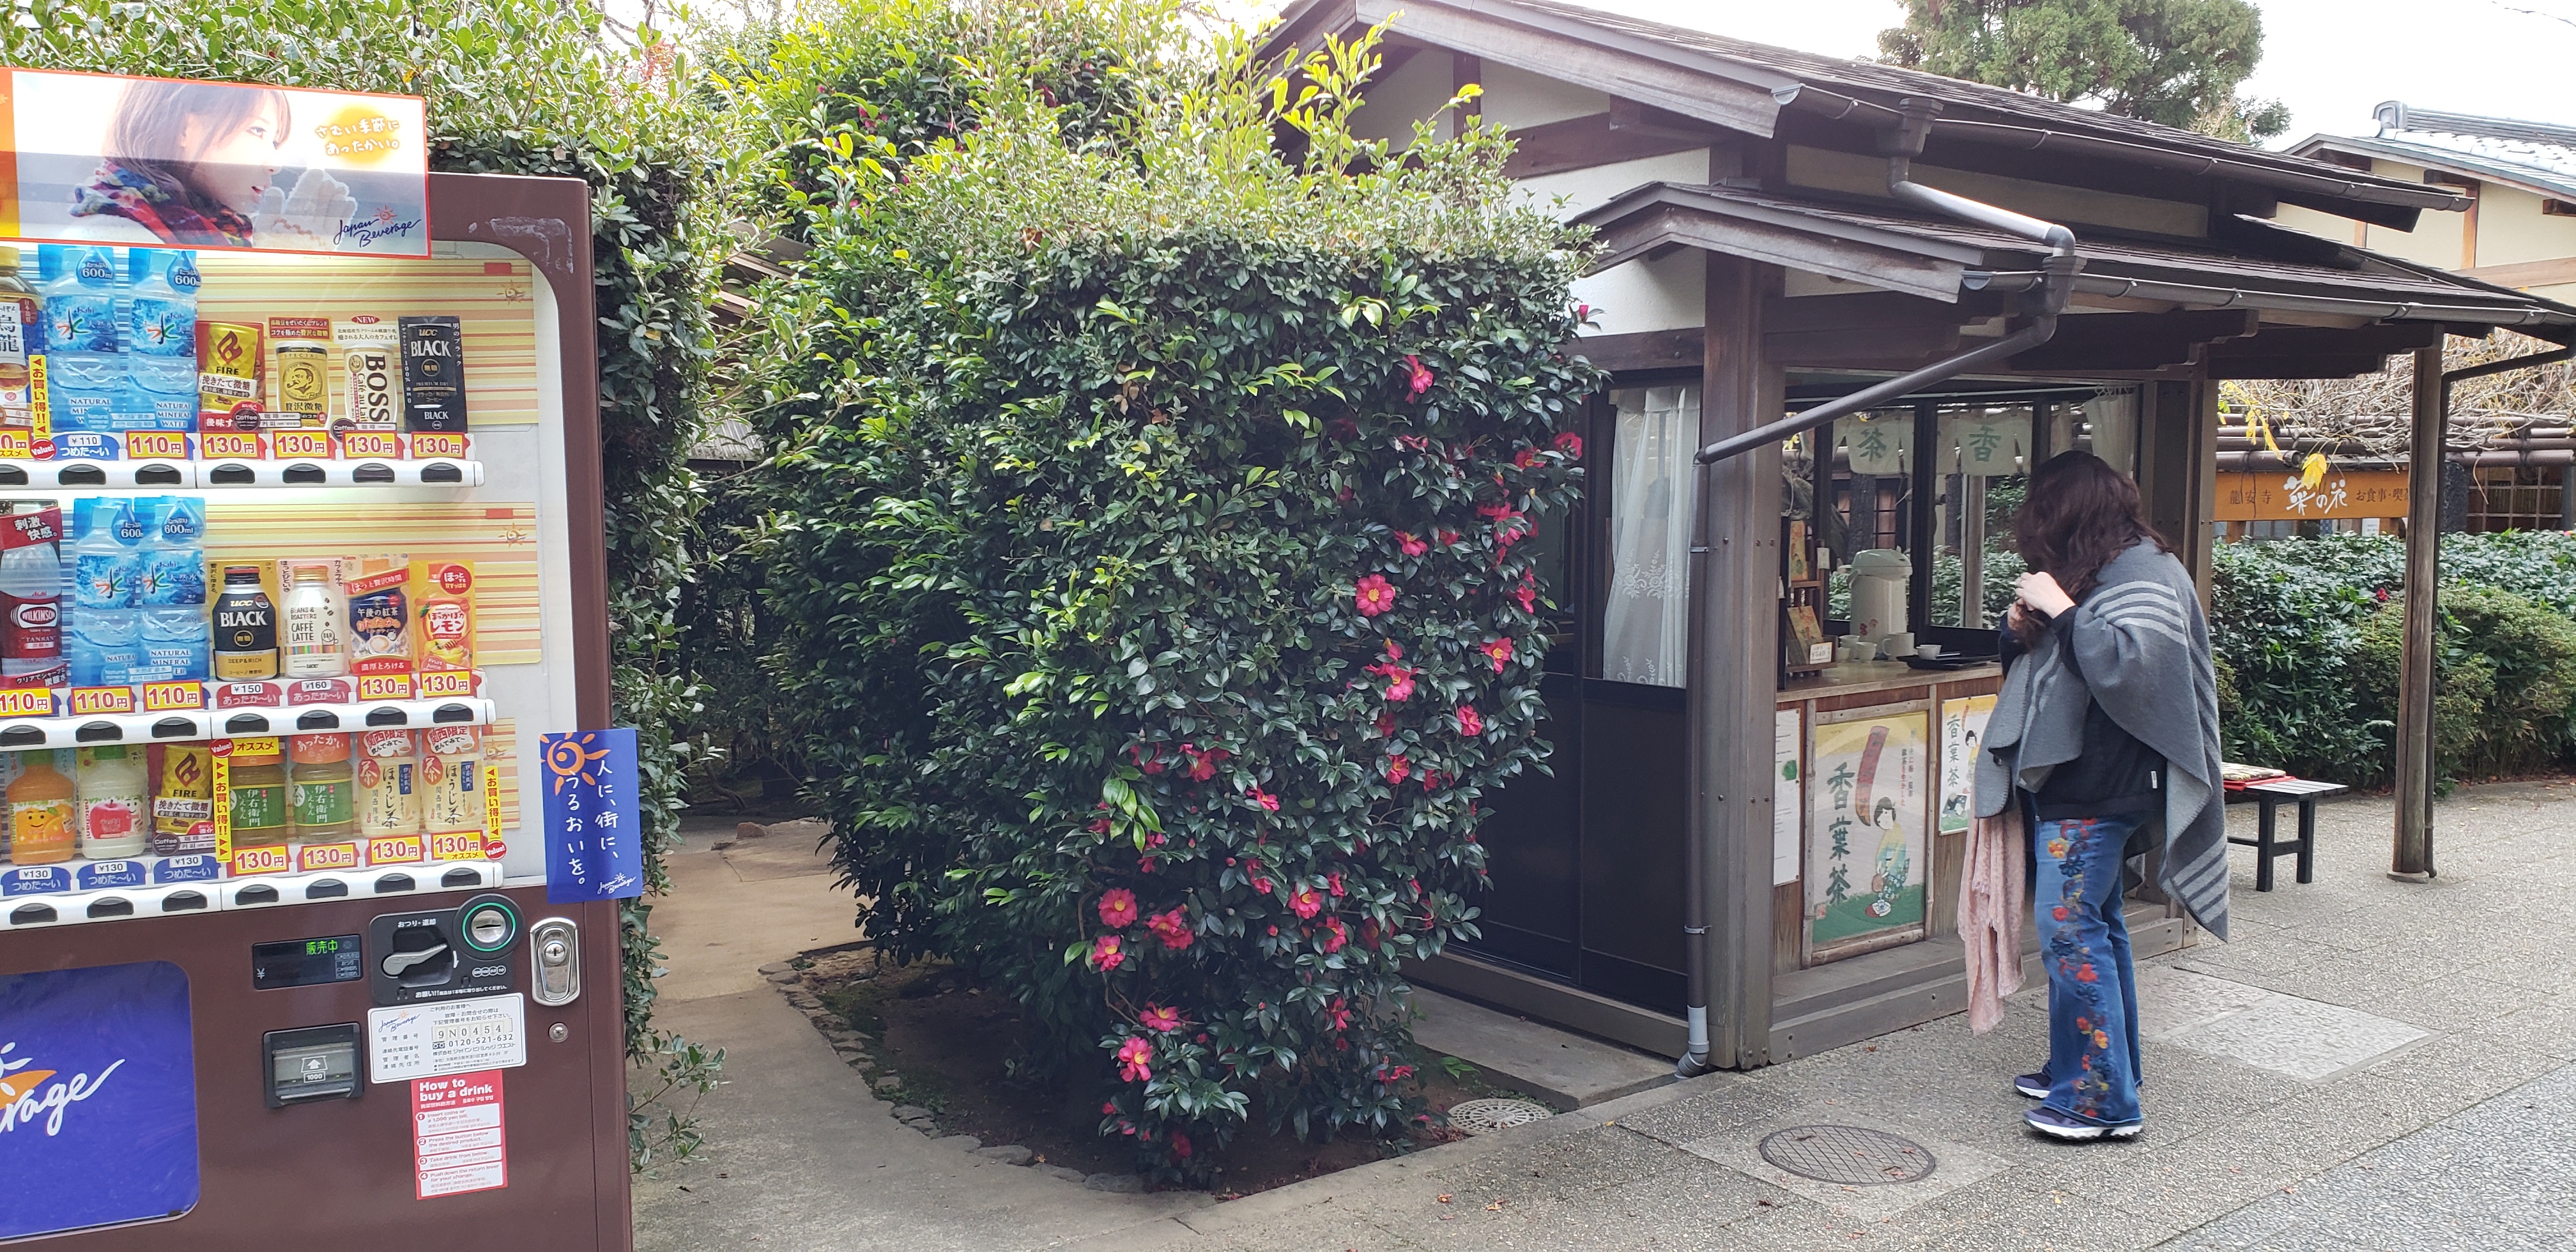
[
  {"x": 594, "y": 836},
  {"x": 98, "y": 1098}
]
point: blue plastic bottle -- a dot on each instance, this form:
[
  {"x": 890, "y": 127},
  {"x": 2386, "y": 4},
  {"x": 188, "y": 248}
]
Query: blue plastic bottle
[
  {"x": 105, "y": 646},
  {"x": 83, "y": 367},
  {"x": 160, "y": 341},
  {"x": 176, "y": 636}
]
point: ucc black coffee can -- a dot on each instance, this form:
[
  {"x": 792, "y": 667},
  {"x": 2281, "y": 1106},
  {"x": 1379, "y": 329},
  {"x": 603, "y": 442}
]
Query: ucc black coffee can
[{"x": 433, "y": 362}]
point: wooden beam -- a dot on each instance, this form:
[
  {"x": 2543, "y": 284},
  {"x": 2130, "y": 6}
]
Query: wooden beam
[
  {"x": 2279, "y": 341},
  {"x": 2412, "y": 856},
  {"x": 1725, "y": 102},
  {"x": 1875, "y": 265},
  {"x": 1642, "y": 350},
  {"x": 2135, "y": 340},
  {"x": 2298, "y": 366},
  {"x": 1870, "y": 310},
  {"x": 1734, "y": 654},
  {"x": 2549, "y": 273},
  {"x": 1892, "y": 347},
  {"x": 1580, "y": 143}
]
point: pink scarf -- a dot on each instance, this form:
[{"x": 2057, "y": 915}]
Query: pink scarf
[{"x": 1990, "y": 909}]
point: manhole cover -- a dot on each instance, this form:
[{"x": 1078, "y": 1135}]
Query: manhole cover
[
  {"x": 1851, "y": 1155},
  {"x": 1477, "y": 1117}
]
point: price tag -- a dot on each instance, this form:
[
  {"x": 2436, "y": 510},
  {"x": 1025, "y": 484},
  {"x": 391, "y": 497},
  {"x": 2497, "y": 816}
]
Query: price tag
[
  {"x": 17, "y": 445},
  {"x": 384, "y": 686},
  {"x": 156, "y": 445},
  {"x": 396, "y": 850},
  {"x": 270, "y": 860},
  {"x": 233, "y": 445},
  {"x": 173, "y": 697},
  {"x": 300, "y": 445},
  {"x": 26, "y": 702},
  {"x": 321, "y": 856},
  {"x": 371, "y": 443},
  {"x": 87, "y": 701},
  {"x": 451, "y": 444},
  {"x": 458, "y": 845},
  {"x": 438, "y": 683}
]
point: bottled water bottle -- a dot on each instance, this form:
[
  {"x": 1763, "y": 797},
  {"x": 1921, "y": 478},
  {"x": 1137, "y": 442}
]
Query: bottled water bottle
[
  {"x": 107, "y": 572},
  {"x": 83, "y": 367},
  {"x": 160, "y": 341}
]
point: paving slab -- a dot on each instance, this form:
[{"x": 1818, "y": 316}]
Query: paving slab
[{"x": 1561, "y": 1068}]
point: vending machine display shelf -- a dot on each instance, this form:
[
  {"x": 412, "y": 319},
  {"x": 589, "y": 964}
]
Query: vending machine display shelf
[
  {"x": 69, "y": 908},
  {"x": 33, "y": 733},
  {"x": 153, "y": 474}
]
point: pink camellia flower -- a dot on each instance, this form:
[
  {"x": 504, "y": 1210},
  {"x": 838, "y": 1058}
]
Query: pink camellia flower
[
  {"x": 1499, "y": 651},
  {"x": 1527, "y": 594},
  {"x": 1172, "y": 928},
  {"x": 1583, "y": 311},
  {"x": 1159, "y": 1019},
  {"x": 1338, "y": 1014},
  {"x": 1386, "y": 724},
  {"x": 1394, "y": 650},
  {"x": 1417, "y": 378},
  {"x": 1306, "y": 901},
  {"x": 1118, "y": 908},
  {"x": 1399, "y": 680},
  {"x": 1469, "y": 724},
  {"x": 1108, "y": 953},
  {"x": 1413, "y": 443},
  {"x": 1398, "y": 1073},
  {"x": 1335, "y": 934},
  {"x": 1570, "y": 444},
  {"x": 1397, "y": 768},
  {"x": 1525, "y": 458},
  {"x": 1132, "y": 1058},
  {"x": 1410, "y": 545},
  {"x": 1375, "y": 595},
  {"x": 1260, "y": 885},
  {"x": 1180, "y": 1146},
  {"x": 1203, "y": 764},
  {"x": 1333, "y": 883},
  {"x": 1265, "y": 799}
]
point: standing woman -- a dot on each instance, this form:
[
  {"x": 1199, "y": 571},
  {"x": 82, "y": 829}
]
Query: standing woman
[{"x": 2106, "y": 738}]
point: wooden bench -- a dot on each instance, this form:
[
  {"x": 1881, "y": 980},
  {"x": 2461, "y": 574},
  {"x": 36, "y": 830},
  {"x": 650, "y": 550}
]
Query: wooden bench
[{"x": 2271, "y": 793}]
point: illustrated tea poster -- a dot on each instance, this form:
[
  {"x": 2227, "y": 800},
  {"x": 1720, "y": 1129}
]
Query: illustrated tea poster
[
  {"x": 1866, "y": 861},
  {"x": 1963, "y": 732}
]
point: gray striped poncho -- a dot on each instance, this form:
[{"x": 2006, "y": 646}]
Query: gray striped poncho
[{"x": 2144, "y": 651}]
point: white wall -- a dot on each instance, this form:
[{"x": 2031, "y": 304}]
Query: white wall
[{"x": 1666, "y": 293}]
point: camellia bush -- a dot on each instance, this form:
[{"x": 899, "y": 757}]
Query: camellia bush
[{"x": 1154, "y": 548}]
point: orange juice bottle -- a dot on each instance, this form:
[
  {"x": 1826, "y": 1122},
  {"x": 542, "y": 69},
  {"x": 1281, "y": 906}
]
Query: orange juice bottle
[{"x": 41, "y": 829}]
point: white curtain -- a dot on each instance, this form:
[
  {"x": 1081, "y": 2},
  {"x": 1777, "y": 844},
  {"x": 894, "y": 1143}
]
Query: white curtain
[{"x": 1647, "y": 619}]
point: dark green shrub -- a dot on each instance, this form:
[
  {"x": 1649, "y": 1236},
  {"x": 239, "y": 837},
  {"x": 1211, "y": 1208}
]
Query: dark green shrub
[
  {"x": 1151, "y": 559},
  {"x": 2464, "y": 687}
]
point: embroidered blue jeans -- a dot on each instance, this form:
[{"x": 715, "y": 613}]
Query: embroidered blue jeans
[{"x": 2092, "y": 987}]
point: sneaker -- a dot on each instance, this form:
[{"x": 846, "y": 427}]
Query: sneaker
[
  {"x": 2033, "y": 1085},
  {"x": 2073, "y": 1129}
]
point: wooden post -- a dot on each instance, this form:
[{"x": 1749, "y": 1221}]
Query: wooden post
[
  {"x": 2413, "y": 859},
  {"x": 1922, "y": 518},
  {"x": 1735, "y": 684}
]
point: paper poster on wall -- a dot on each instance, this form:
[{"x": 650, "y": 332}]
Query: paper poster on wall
[
  {"x": 1787, "y": 813},
  {"x": 1865, "y": 854},
  {"x": 98, "y": 1097},
  {"x": 1963, "y": 728},
  {"x": 594, "y": 838},
  {"x": 165, "y": 162}
]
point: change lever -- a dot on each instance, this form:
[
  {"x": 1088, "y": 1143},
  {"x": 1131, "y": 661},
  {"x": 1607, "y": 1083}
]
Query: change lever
[{"x": 399, "y": 963}]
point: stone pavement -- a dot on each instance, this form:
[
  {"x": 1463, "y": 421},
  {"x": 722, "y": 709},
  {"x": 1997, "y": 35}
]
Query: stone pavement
[{"x": 2365, "y": 1047}]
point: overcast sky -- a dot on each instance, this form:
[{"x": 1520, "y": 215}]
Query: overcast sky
[{"x": 2329, "y": 60}]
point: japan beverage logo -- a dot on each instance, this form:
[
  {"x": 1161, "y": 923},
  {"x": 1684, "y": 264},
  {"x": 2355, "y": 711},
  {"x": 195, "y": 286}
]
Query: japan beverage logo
[
  {"x": 35, "y": 615},
  {"x": 98, "y": 1093}
]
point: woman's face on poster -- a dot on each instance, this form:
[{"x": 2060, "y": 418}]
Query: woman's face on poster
[{"x": 233, "y": 169}]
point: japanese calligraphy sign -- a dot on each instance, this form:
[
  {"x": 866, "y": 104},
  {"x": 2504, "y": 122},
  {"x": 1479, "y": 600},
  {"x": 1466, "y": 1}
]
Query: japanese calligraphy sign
[
  {"x": 2279, "y": 496},
  {"x": 1988, "y": 443},
  {"x": 594, "y": 836},
  {"x": 1867, "y": 806},
  {"x": 1877, "y": 446},
  {"x": 1963, "y": 728}
]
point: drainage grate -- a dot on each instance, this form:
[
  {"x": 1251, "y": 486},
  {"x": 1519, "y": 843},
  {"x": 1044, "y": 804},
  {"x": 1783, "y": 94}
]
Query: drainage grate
[
  {"x": 1478, "y": 1117},
  {"x": 1851, "y": 1155}
]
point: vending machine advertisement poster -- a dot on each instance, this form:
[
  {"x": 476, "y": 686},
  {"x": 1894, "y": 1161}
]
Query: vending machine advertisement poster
[
  {"x": 594, "y": 848},
  {"x": 98, "y": 1097},
  {"x": 157, "y": 162}
]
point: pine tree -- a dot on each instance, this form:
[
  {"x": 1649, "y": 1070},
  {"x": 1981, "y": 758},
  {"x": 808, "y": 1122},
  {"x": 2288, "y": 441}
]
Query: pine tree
[{"x": 2177, "y": 62}]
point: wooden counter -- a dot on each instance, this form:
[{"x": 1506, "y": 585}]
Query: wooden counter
[{"x": 1864, "y": 677}]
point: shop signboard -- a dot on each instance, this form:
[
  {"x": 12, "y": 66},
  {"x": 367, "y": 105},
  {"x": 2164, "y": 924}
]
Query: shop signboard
[
  {"x": 98, "y": 158},
  {"x": 1866, "y": 861},
  {"x": 1963, "y": 728},
  {"x": 2277, "y": 496}
]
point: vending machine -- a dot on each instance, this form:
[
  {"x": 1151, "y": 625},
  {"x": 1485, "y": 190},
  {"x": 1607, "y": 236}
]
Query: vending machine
[{"x": 315, "y": 820}]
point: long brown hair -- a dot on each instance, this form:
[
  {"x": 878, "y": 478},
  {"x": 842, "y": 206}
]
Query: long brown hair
[
  {"x": 2079, "y": 514},
  {"x": 149, "y": 132}
]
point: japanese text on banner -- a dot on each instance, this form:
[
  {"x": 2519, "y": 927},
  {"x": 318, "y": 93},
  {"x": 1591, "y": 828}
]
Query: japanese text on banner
[{"x": 594, "y": 840}]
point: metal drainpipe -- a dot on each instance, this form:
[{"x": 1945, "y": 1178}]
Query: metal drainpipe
[{"x": 1901, "y": 144}]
